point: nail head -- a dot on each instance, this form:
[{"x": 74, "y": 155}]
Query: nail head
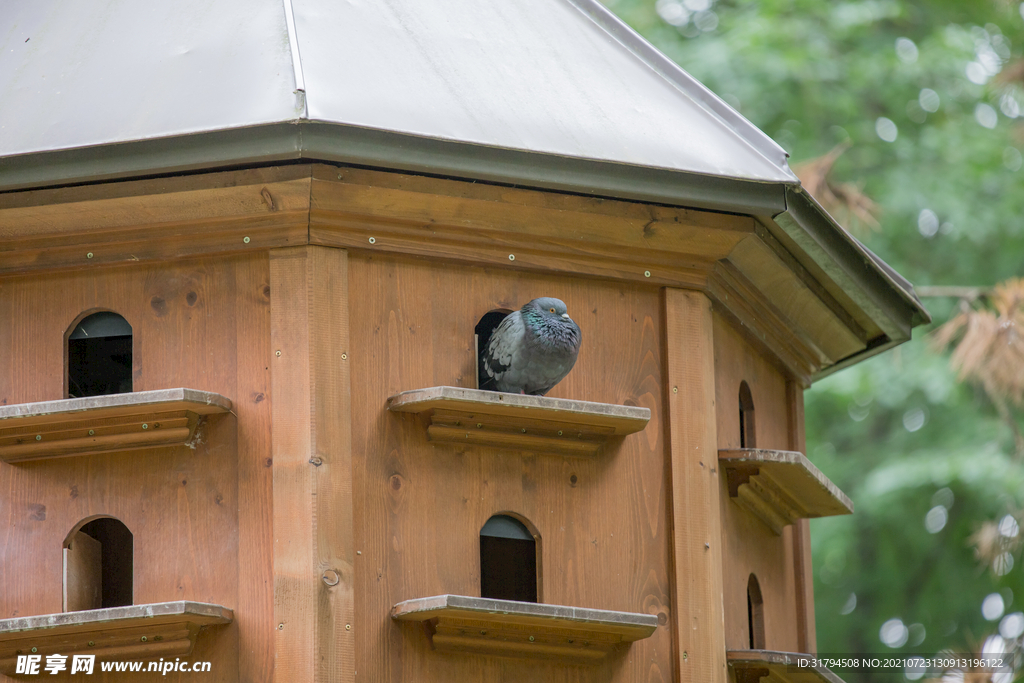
[{"x": 245, "y": 239}]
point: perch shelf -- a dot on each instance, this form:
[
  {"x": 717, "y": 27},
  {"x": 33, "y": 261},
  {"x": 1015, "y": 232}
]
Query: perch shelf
[
  {"x": 491, "y": 418},
  {"x": 136, "y": 631},
  {"x": 780, "y": 487},
  {"x": 103, "y": 424},
  {"x": 457, "y": 623},
  {"x": 754, "y": 666}
]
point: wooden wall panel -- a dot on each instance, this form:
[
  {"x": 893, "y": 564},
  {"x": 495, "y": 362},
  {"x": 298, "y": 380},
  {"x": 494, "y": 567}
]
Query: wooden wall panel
[
  {"x": 604, "y": 538},
  {"x": 195, "y": 323},
  {"x": 750, "y": 546},
  {"x": 313, "y": 554},
  {"x": 697, "y": 557}
]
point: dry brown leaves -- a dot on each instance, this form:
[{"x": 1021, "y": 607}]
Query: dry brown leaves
[
  {"x": 846, "y": 202},
  {"x": 989, "y": 343}
]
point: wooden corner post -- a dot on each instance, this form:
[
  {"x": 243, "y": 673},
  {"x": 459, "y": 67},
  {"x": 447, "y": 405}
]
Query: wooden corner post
[
  {"x": 312, "y": 465},
  {"x": 807, "y": 638},
  {"x": 697, "y": 601}
]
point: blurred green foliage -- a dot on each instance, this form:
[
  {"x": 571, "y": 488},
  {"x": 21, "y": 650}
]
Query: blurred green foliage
[{"x": 897, "y": 433}]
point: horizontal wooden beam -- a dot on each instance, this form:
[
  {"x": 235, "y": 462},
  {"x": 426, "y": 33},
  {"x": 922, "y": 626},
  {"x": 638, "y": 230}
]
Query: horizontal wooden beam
[{"x": 747, "y": 273}]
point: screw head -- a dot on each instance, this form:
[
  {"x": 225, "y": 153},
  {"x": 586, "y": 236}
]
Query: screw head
[
  {"x": 145, "y": 426},
  {"x": 92, "y": 432},
  {"x": 559, "y": 432},
  {"x": 479, "y": 425},
  {"x": 373, "y": 240},
  {"x": 675, "y": 390},
  {"x": 531, "y": 639},
  {"x": 278, "y": 353},
  {"x": 39, "y": 437},
  {"x": 348, "y": 627},
  {"x": 647, "y": 273},
  {"x": 524, "y": 430},
  {"x": 344, "y": 356},
  {"x": 245, "y": 239},
  {"x": 280, "y": 627},
  {"x": 89, "y": 255},
  {"x": 92, "y": 643},
  {"x": 511, "y": 257},
  {"x": 144, "y": 639},
  {"x": 35, "y": 649}
]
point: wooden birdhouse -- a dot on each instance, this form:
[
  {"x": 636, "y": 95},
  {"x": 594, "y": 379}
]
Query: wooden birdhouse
[{"x": 248, "y": 254}]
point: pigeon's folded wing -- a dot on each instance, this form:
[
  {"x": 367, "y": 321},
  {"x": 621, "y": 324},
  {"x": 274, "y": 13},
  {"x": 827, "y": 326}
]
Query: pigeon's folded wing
[{"x": 497, "y": 357}]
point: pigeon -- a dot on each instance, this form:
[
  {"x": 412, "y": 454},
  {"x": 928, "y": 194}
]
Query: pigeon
[{"x": 531, "y": 350}]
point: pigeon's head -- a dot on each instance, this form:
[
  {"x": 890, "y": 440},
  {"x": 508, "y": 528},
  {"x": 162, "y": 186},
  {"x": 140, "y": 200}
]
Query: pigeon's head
[{"x": 548, "y": 307}]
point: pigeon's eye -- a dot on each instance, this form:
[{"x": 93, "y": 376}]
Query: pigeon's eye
[{"x": 552, "y": 310}]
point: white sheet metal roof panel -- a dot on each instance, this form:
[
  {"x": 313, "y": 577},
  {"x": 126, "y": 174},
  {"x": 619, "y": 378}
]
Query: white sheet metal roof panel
[
  {"x": 551, "y": 77},
  {"x": 96, "y": 72},
  {"x": 539, "y": 75}
]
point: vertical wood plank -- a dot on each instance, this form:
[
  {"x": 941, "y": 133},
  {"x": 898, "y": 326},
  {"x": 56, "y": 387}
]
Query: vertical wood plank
[
  {"x": 83, "y": 575},
  {"x": 806, "y": 633},
  {"x": 311, "y": 444},
  {"x": 697, "y": 554},
  {"x": 256, "y": 629}
]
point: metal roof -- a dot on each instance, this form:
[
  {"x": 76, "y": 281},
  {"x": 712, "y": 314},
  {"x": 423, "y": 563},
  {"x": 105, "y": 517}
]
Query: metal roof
[{"x": 553, "y": 77}]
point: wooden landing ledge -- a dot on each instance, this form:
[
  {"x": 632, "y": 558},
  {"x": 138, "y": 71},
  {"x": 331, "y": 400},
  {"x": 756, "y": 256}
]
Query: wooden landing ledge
[
  {"x": 133, "y": 632},
  {"x": 538, "y": 423},
  {"x": 754, "y": 666},
  {"x": 780, "y": 487},
  {"x": 457, "y": 623},
  {"x": 103, "y": 424}
]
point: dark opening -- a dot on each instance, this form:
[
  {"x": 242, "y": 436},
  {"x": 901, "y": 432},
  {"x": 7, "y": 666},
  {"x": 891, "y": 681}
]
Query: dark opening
[
  {"x": 747, "y": 439},
  {"x": 508, "y": 560},
  {"x": 100, "y": 356},
  {"x": 755, "y": 614},
  {"x": 483, "y": 330},
  {"x": 98, "y": 566}
]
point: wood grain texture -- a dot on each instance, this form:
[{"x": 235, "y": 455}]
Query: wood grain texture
[
  {"x": 697, "y": 558},
  {"x": 197, "y": 322},
  {"x": 536, "y": 423},
  {"x": 784, "y": 480},
  {"x": 104, "y": 424},
  {"x": 795, "y": 300},
  {"x": 478, "y": 223},
  {"x": 524, "y": 630},
  {"x": 749, "y": 545},
  {"x": 146, "y": 220},
  {"x": 602, "y": 523},
  {"x": 130, "y": 632},
  {"x": 83, "y": 577},
  {"x": 806, "y": 636},
  {"x": 312, "y": 465}
]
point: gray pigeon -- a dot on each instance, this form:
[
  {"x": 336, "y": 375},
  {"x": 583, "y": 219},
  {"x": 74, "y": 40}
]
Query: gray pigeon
[{"x": 531, "y": 350}]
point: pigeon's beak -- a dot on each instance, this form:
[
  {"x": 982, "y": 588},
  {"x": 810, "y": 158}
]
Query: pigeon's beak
[{"x": 566, "y": 316}]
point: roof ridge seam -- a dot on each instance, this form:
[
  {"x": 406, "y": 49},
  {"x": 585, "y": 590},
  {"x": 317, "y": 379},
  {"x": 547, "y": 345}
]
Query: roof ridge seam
[
  {"x": 293, "y": 44},
  {"x": 682, "y": 81}
]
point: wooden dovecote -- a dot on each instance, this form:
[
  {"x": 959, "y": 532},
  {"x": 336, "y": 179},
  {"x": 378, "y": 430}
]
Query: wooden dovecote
[{"x": 308, "y": 244}]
